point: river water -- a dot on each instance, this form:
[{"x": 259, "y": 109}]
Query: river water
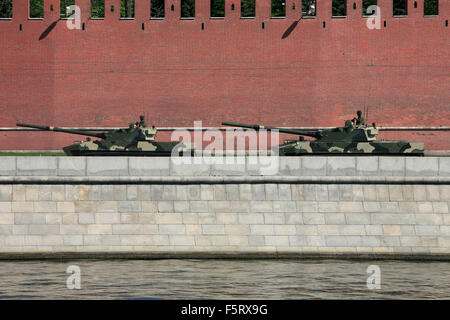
[{"x": 224, "y": 279}]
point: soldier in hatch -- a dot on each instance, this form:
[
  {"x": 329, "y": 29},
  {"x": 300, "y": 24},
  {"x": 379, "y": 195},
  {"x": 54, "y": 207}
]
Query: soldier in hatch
[
  {"x": 360, "y": 120},
  {"x": 142, "y": 122}
]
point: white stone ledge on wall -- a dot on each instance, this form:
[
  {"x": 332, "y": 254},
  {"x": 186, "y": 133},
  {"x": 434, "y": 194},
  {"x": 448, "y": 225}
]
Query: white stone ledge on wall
[
  {"x": 180, "y": 180},
  {"x": 286, "y": 166}
]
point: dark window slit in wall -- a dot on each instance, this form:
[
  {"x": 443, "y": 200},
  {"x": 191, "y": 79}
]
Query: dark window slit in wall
[
  {"x": 97, "y": 9},
  {"x": 400, "y": 8},
  {"x": 431, "y": 7},
  {"x": 247, "y": 8},
  {"x": 66, "y": 9},
  {"x": 278, "y": 9},
  {"x": 217, "y": 8},
  {"x": 308, "y": 8},
  {"x": 366, "y": 10},
  {"x": 157, "y": 9},
  {"x": 339, "y": 8},
  {"x": 187, "y": 9},
  {"x": 36, "y": 9},
  {"x": 126, "y": 9},
  {"x": 6, "y": 11}
]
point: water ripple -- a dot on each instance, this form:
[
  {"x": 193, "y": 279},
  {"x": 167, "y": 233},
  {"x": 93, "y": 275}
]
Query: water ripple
[{"x": 224, "y": 279}]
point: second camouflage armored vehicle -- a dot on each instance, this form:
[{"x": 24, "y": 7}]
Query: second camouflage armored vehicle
[
  {"x": 136, "y": 140},
  {"x": 348, "y": 140}
]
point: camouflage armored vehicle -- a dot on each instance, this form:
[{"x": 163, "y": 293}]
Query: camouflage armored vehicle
[
  {"x": 136, "y": 140},
  {"x": 348, "y": 140}
]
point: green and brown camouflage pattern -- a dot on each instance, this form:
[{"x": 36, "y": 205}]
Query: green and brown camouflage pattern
[
  {"x": 136, "y": 140},
  {"x": 347, "y": 140}
]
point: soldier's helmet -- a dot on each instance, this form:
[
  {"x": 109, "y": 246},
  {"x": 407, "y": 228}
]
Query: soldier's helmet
[{"x": 359, "y": 113}]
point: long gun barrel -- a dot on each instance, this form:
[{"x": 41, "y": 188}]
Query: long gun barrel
[
  {"x": 45, "y": 128},
  {"x": 314, "y": 134}
]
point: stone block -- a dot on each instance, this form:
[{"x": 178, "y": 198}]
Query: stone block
[
  {"x": 206, "y": 192},
  {"x": 297, "y": 192},
  {"x": 419, "y": 192},
  {"x": 440, "y": 207},
  {"x": 374, "y": 230},
  {"x": 334, "y": 218},
  {"x": 341, "y": 166},
  {"x": 277, "y": 240},
  {"x": 352, "y": 230},
  {"x": 43, "y": 229},
  {"x": 146, "y": 166},
  {"x": 251, "y": 218},
  {"x": 209, "y": 229},
  {"x": 284, "y": 192},
  {"x": 238, "y": 240},
  {"x": 336, "y": 241},
  {"x": 444, "y": 166},
  {"x": 69, "y": 218},
  {"x": 422, "y": 166},
  {"x": 168, "y": 218},
  {"x": 6, "y": 193},
  {"x": 328, "y": 206},
  {"x": 22, "y": 206},
  {"x": 288, "y": 230},
  {"x": 392, "y": 166},
  {"x": 196, "y": 166},
  {"x": 314, "y": 166},
  {"x": 227, "y": 218},
  {"x": 107, "y": 218},
  {"x": 7, "y": 166},
  {"x": 357, "y": 218},
  {"x": 258, "y": 192},
  {"x": 262, "y": 230},
  {"x": 432, "y": 192},
  {"x": 313, "y": 218},
  {"x": 427, "y": 230},
  {"x": 237, "y": 229},
  {"x": 98, "y": 229},
  {"x": 307, "y": 206},
  {"x": 392, "y": 218},
  {"x": 367, "y": 166},
  {"x": 333, "y": 192},
  {"x": 293, "y": 218},
  {"x": 395, "y": 193},
  {"x": 37, "y": 166},
  {"x": 290, "y": 166},
  {"x": 370, "y": 192},
  {"x": 274, "y": 218},
  {"x": 71, "y": 166},
  {"x": 284, "y": 206},
  {"x": 444, "y": 191},
  {"x": 132, "y": 229},
  {"x": 429, "y": 219},
  {"x": 44, "y": 206},
  {"x": 19, "y": 193},
  {"x": 228, "y": 166},
  {"x": 232, "y": 191},
  {"x": 350, "y": 206},
  {"x": 171, "y": 229},
  {"x": 198, "y": 206},
  {"x": 129, "y": 217},
  {"x": 261, "y": 206},
  {"x": 165, "y": 206},
  {"x": 271, "y": 191},
  {"x": 182, "y": 240},
  {"x": 107, "y": 166},
  {"x": 73, "y": 229}
]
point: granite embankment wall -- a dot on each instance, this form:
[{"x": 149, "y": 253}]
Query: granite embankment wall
[{"x": 151, "y": 207}]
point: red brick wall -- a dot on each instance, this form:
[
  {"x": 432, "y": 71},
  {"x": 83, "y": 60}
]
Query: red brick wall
[{"x": 233, "y": 70}]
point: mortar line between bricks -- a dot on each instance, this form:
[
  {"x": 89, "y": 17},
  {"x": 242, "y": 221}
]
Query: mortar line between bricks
[{"x": 189, "y": 180}]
